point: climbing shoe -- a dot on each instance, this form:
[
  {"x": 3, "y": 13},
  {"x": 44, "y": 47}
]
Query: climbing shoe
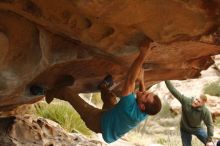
[{"x": 107, "y": 82}]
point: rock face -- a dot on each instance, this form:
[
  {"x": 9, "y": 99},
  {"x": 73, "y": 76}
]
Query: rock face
[
  {"x": 28, "y": 130},
  {"x": 46, "y": 42}
]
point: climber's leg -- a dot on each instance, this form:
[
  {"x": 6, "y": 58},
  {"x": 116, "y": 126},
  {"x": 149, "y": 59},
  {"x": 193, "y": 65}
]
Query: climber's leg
[
  {"x": 90, "y": 114},
  {"x": 108, "y": 98}
]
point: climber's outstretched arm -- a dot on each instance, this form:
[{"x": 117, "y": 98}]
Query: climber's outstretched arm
[{"x": 132, "y": 75}]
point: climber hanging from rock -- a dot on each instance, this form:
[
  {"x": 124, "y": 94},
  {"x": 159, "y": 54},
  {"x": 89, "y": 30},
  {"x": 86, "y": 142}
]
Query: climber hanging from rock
[{"x": 116, "y": 119}]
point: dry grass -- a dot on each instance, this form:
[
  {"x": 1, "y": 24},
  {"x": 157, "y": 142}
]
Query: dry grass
[
  {"x": 167, "y": 136},
  {"x": 212, "y": 88}
]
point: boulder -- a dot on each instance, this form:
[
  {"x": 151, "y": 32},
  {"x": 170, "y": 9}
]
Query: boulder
[
  {"x": 29, "y": 130},
  {"x": 46, "y": 42}
]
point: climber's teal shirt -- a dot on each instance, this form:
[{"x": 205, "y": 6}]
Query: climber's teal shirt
[{"x": 121, "y": 119}]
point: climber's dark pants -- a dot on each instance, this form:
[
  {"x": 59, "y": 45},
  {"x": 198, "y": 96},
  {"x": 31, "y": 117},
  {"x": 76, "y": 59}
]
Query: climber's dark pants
[{"x": 186, "y": 137}]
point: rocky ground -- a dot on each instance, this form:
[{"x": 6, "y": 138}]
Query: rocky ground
[{"x": 29, "y": 130}]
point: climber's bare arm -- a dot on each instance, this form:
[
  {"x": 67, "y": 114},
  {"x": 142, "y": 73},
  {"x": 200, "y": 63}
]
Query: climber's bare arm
[
  {"x": 135, "y": 69},
  {"x": 140, "y": 81}
]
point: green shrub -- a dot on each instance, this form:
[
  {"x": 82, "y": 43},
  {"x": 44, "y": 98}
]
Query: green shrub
[
  {"x": 64, "y": 114},
  {"x": 96, "y": 99},
  {"x": 217, "y": 122},
  {"x": 212, "y": 88},
  {"x": 161, "y": 141}
]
